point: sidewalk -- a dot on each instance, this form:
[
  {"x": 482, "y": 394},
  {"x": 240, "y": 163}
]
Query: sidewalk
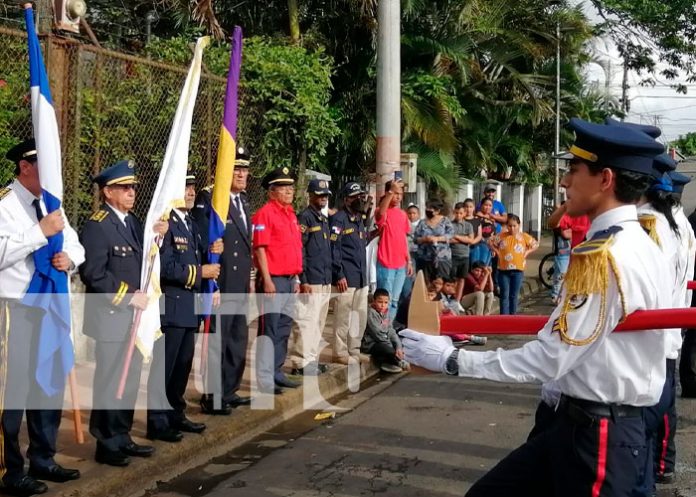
[{"x": 223, "y": 433}]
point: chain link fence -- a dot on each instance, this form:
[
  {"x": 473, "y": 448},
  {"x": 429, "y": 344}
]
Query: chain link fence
[{"x": 112, "y": 106}]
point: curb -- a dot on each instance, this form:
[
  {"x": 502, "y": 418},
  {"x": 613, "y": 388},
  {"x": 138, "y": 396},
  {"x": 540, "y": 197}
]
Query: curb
[{"x": 223, "y": 434}]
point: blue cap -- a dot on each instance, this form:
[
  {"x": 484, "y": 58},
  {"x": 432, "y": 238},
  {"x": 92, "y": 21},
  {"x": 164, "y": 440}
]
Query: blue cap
[
  {"x": 190, "y": 179},
  {"x": 678, "y": 181},
  {"x": 651, "y": 131},
  {"x": 319, "y": 187},
  {"x": 664, "y": 163},
  {"x": 242, "y": 158},
  {"x": 120, "y": 173},
  {"x": 352, "y": 188},
  {"x": 614, "y": 146},
  {"x": 663, "y": 183}
]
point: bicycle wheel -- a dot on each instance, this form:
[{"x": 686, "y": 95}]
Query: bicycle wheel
[{"x": 546, "y": 270}]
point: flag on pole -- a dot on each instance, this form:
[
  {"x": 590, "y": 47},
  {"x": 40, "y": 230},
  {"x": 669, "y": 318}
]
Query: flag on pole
[
  {"x": 48, "y": 288},
  {"x": 169, "y": 193},
  {"x": 227, "y": 151}
]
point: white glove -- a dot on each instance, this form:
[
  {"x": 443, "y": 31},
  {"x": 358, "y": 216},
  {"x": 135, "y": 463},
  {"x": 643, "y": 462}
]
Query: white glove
[{"x": 427, "y": 351}]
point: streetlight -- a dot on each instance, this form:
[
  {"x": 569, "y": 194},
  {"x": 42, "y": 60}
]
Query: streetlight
[{"x": 150, "y": 18}]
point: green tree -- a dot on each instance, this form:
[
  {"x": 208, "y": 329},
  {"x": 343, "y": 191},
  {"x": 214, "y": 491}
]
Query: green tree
[{"x": 686, "y": 144}]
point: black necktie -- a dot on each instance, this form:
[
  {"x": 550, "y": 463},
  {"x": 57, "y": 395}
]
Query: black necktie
[
  {"x": 238, "y": 205},
  {"x": 37, "y": 207},
  {"x": 131, "y": 226},
  {"x": 187, "y": 220}
]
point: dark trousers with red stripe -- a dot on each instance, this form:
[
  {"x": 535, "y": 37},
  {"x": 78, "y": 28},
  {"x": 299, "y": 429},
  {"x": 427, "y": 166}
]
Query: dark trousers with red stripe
[
  {"x": 665, "y": 450},
  {"x": 591, "y": 457}
]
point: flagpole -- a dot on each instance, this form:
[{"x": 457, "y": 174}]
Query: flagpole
[
  {"x": 77, "y": 414},
  {"x": 134, "y": 329}
]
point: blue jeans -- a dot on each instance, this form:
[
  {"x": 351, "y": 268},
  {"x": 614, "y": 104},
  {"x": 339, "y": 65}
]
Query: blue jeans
[
  {"x": 560, "y": 267},
  {"x": 510, "y": 283},
  {"x": 480, "y": 252},
  {"x": 392, "y": 280}
]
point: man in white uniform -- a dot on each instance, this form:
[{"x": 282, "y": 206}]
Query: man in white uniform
[{"x": 24, "y": 228}]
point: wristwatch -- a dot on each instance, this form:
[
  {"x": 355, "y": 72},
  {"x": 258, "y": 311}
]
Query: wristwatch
[{"x": 452, "y": 363}]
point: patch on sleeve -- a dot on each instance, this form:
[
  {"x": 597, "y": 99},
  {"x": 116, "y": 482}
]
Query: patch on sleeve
[
  {"x": 259, "y": 227},
  {"x": 336, "y": 230},
  {"x": 303, "y": 228}
]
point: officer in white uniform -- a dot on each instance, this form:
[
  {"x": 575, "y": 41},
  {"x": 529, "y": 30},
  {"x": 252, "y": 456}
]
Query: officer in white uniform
[
  {"x": 597, "y": 443},
  {"x": 24, "y": 228}
]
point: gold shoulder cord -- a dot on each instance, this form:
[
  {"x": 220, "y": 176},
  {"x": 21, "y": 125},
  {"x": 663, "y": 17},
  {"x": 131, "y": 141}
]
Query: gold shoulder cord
[
  {"x": 649, "y": 223},
  {"x": 588, "y": 274}
]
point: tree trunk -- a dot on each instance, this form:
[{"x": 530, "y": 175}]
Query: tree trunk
[{"x": 294, "y": 17}]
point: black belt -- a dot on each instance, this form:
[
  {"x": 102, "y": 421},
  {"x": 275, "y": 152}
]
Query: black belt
[{"x": 588, "y": 413}]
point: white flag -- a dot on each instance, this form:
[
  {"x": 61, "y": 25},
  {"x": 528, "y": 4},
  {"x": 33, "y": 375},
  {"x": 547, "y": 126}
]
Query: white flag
[{"x": 171, "y": 187}]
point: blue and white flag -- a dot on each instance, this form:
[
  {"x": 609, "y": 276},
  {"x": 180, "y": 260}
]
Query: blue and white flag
[{"x": 48, "y": 289}]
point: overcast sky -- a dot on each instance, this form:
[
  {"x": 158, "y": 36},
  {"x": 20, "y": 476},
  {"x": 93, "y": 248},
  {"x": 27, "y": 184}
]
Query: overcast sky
[{"x": 660, "y": 105}]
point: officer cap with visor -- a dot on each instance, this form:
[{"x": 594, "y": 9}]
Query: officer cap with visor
[
  {"x": 614, "y": 146},
  {"x": 120, "y": 173}
]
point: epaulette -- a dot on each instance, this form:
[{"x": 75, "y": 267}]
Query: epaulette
[
  {"x": 588, "y": 274},
  {"x": 99, "y": 216},
  {"x": 649, "y": 223},
  {"x": 5, "y": 192},
  {"x": 208, "y": 188}
]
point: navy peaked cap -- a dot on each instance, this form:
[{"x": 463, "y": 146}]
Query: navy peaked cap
[
  {"x": 614, "y": 146},
  {"x": 120, "y": 173},
  {"x": 651, "y": 131}
]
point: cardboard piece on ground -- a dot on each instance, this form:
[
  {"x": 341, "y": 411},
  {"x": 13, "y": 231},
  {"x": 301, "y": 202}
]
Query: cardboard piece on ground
[{"x": 423, "y": 315}]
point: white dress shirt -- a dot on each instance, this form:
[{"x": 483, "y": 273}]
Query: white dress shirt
[
  {"x": 688, "y": 247},
  {"x": 119, "y": 214},
  {"x": 620, "y": 368},
  {"x": 670, "y": 246},
  {"x": 21, "y": 236}
]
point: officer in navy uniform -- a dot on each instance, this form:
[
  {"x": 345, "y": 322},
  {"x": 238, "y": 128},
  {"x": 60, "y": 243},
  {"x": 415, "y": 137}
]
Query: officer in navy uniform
[
  {"x": 113, "y": 241},
  {"x": 25, "y": 228},
  {"x": 606, "y": 379},
  {"x": 349, "y": 274},
  {"x": 234, "y": 284},
  {"x": 315, "y": 282},
  {"x": 182, "y": 273}
]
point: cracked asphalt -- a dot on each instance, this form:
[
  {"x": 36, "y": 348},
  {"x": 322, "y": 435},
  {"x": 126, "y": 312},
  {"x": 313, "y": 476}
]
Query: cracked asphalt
[{"x": 413, "y": 435}]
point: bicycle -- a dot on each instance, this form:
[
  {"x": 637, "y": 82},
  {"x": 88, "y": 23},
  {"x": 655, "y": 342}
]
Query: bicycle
[{"x": 546, "y": 270}]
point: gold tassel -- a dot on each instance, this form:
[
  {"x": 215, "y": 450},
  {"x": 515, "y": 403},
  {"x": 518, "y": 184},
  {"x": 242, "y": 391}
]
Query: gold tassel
[
  {"x": 649, "y": 224},
  {"x": 588, "y": 274}
]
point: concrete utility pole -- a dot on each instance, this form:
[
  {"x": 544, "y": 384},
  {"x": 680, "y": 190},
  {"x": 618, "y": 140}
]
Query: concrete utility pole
[
  {"x": 625, "y": 107},
  {"x": 557, "y": 164},
  {"x": 388, "y": 91}
]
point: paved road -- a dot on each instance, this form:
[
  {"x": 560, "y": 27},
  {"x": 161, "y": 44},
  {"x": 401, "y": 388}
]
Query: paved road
[{"x": 417, "y": 435}]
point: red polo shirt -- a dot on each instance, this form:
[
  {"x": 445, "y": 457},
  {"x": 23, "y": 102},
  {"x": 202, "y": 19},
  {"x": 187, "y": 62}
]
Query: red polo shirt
[
  {"x": 394, "y": 226},
  {"x": 277, "y": 230}
]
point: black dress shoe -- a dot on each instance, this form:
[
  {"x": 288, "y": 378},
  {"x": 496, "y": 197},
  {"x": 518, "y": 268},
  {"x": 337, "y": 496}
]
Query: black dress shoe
[
  {"x": 135, "y": 450},
  {"x": 112, "y": 457},
  {"x": 24, "y": 487},
  {"x": 190, "y": 426},
  {"x": 237, "y": 401},
  {"x": 168, "y": 435},
  {"x": 208, "y": 408},
  {"x": 310, "y": 370},
  {"x": 287, "y": 383},
  {"x": 56, "y": 473}
]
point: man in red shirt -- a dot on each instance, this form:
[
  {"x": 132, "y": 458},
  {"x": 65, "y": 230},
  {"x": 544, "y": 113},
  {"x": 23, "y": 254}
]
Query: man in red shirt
[
  {"x": 277, "y": 243},
  {"x": 578, "y": 225},
  {"x": 393, "y": 258}
]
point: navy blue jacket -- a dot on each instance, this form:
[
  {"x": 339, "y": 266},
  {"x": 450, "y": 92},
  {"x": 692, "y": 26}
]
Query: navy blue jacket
[
  {"x": 316, "y": 247},
  {"x": 113, "y": 258},
  {"x": 235, "y": 261},
  {"x": 181, "y": 257},
  {"x": 348, "y": 244}
]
